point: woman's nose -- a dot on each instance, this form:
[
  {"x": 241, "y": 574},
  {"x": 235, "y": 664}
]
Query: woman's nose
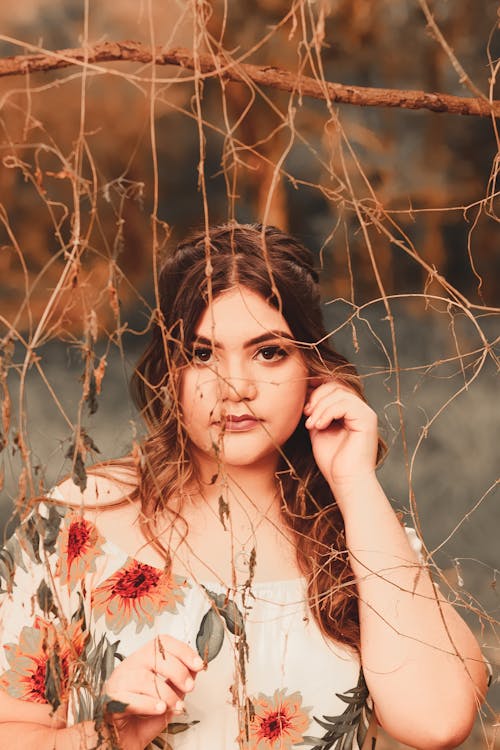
[{"x": 238, "y": 386}]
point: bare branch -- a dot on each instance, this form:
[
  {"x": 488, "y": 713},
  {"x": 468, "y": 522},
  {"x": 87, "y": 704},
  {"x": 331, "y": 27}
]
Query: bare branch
[
  {"x": 436, "y": 31},
  {"x": 271, "y": 76}
]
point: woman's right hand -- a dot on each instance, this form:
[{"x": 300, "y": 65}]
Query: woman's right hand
[{"x": 152, "y": 682}]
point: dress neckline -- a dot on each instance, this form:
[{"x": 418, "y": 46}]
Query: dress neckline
[
  {"x": 279, "y": 583},
  {"x": 295, "y": 583}
]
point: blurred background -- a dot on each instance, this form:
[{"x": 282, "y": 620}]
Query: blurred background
[{"x": 104, "y": 166}]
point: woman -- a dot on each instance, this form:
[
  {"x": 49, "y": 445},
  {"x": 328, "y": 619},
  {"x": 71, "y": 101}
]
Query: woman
[{"x": 241, "y": 581}]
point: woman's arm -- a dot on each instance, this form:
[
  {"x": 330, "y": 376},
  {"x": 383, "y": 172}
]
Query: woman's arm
[
  {"x": 39, "y": 737},
  {"x": 40, "y": 728},
  {"x": 422, "y": 664}
]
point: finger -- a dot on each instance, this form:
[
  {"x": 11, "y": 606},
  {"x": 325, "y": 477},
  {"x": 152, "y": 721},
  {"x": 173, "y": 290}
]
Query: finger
[
  {"x": 154, "y": 654},
  {"x": 326, "y": 395},
  {"x": 143, "y": 683},
  {"x": 324, "y": 390},
  {"x": 333, "y": 410},
  {"x": 355, "y": 415},
  {"x": 175, "y": 671},
  {"x": 156, "y": 685},
  {"x": 325, "y": 400},
  {"x": 147, "y": 705},
  {"x": 324, "y": 418},
  {"x": 165, "y": 644}
]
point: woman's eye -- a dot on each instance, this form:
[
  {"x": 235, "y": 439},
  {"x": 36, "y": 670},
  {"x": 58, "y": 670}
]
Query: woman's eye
[
  {"x": 201, "y": 354},
  {"x": 272, "y": 353}
]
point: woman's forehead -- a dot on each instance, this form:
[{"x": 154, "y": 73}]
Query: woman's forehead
[{"x": 240, "y": 311}]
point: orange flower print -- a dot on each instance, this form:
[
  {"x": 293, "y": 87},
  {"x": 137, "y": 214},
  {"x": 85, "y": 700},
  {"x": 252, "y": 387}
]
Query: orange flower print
[
  {"x": 278, "y": 722},
  {"x": 137, "y": 592},
  {"x": 42, "y": 647},
  {"x": 79, "y": 546}
]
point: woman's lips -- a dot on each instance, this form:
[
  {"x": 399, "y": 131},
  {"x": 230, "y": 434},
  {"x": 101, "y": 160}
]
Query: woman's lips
[{"x": 239, "y": 424}]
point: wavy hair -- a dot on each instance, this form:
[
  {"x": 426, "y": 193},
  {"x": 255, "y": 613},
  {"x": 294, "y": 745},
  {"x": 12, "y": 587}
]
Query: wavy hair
[{"x": 280, "y": 269}]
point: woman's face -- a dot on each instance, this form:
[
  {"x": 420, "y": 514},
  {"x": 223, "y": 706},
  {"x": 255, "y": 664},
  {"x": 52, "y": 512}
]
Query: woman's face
[{"x": 243, "y": 393}]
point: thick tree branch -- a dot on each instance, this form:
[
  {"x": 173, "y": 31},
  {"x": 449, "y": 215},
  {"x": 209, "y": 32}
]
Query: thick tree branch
[{"x": 273, "y": 77}]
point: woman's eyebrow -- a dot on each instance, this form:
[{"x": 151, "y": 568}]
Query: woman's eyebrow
[{"x": 268, "y": 336}]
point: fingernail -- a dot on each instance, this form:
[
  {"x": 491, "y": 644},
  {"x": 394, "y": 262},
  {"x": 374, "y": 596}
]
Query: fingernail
[
  {"x": 161, "y": 707},
  {"x": 197, "y": 663},
  {"x": 179, "y": 707},
  {"x": 189, "y": 683},
  {"x": 309, "y": 422}
]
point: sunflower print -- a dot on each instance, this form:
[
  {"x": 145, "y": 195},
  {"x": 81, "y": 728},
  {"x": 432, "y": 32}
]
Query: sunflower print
[
  {"x": 137, "y": 593},
  {"x": 278, "y": 722},
  {"x": 41, "y": 662},
  {"x": 79, "y": 545}
]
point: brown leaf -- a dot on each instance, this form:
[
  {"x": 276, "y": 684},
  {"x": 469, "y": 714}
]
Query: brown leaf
[
  {"x": 92, "y": 326},
  {"x": 113, "y": 299},
  {"x": 99, "y": 373}
]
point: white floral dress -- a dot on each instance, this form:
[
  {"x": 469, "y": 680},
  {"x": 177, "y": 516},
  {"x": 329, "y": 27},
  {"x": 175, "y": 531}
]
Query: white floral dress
[{"x": 72, "y": 604}]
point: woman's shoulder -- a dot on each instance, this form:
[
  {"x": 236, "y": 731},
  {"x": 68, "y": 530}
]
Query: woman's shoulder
[
  {"x": 109, "y": 503},
  {"x": 109, "y": 487}
]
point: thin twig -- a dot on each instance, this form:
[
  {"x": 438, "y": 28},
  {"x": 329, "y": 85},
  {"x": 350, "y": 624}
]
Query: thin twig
[{"x": 438, "y": 35}]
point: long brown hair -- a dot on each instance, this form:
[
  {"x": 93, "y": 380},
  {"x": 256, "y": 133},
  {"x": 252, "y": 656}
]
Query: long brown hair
[{"x": 280, "y": 269}]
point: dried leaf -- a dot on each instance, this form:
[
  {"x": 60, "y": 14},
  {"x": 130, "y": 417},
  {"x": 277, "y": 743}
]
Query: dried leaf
[
  {"x": 92, "y": 326},
  {"x": 178, "y": 726},
  {"x": 113, "y": 299},
  {"x": 90, "y": 393},
  {"x": 79, "y": 475},
  {"x": 6, "y": 409},
  {"x": 114, "y": 707},
  {"x": 99, "y": 373},
  {"x": 88, "y": 443},
  {"x": 21, "y": 488},
  {"x": 223, "y": 511}
]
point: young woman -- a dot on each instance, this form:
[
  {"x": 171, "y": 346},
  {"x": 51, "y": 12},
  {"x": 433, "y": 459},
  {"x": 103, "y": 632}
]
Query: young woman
[{"x": 241, "y": 581}]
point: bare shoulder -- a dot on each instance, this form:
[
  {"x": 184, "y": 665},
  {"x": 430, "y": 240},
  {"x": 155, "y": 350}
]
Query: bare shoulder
[
  {"x": 108, "y": 487},
  {"x": 108, "y": 501}
]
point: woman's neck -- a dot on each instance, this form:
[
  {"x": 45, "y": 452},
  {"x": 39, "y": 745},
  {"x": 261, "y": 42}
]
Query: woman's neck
[
  {"x": 257, "y": 494},
  {"x": 253, "y": 486}
]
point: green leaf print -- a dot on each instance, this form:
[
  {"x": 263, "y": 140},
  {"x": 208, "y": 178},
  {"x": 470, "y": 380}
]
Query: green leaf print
[
  {"x": 7, "y": 570},
  {"x": 30, "y": 539},
  {"x": 45, "y": 599},
  {"x": 94, "y": 668},
  {"x": 229, "y": 611},
  {"x": 179, "y": 726},
  {"x": 52, "y": 526},
  {"x": 210, "y": 636},
  {"x": 113, "y": 706},
  {"x": 348, "y": 730},
  {"x": 54, "y": 678}
]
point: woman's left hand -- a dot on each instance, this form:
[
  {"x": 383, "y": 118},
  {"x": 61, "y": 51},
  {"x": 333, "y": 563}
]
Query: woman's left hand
[{"x": 343, "y": 431}]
